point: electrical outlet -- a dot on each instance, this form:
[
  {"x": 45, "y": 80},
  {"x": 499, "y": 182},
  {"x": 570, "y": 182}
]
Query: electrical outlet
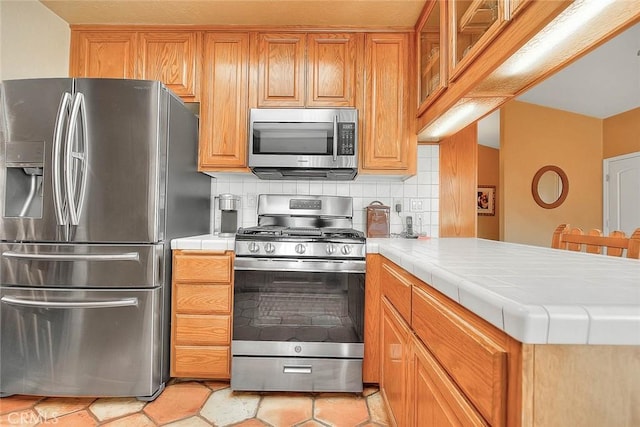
[
  {"x": 416, "y": 205},
  {"x": 397, "y": 205},
  {"x": 251, "y": 200}
]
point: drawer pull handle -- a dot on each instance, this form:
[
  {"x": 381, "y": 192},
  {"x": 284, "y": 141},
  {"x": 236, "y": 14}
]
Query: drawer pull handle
[{"x": 296, "y": 369}]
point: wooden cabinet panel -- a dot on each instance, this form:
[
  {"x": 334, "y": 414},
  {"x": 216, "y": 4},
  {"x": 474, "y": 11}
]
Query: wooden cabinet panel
[
  {"x": 103, "y": 54},
  {"x": 224, "y": 102},
  {"x": 394, "y": 348},
  {"x": 396, "y": 286},
  {"x": 389, "y": 142},
  {"x": 201, "y": 362},
  {"x": 281, "y": 71},
  {"x": 172, "y": 58},
  {"x": 458, "y": 184},
  {"x": 201, "y": 267},
  {"x": 193, "y": 298},
  {"x": 434, "y": 398},
  {"x": 371, "y": 362},
  {"x": 202, "y": 330},
  {"x": 331, "y": 69},
  {"x": 476, "y": 362}
]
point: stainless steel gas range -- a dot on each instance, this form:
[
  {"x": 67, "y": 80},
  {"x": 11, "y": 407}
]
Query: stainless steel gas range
[{"x": 298, "y": 321}]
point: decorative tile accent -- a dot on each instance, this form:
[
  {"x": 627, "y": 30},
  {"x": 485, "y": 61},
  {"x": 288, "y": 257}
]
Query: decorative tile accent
[
  {"x": 75, "y": 419},
  {"x": 190, "y": 422},
  {"x": 339, "y": 411},
  {"x": 225, "y": 407},
  {"x": 105, "y": 409},
  {"x": 135, "y": 420},
  {"x": 377, "y": 409}
]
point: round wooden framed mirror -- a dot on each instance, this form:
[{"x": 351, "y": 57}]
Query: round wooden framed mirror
[{"x": 550, "y": 187}]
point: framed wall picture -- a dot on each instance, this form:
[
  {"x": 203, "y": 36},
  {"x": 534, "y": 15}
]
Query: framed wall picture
[{"x": 486, "y": 200}]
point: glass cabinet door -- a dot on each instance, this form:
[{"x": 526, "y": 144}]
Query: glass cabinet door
[
  {"x": 431, "y": 52},
  {"x": 473, "y": 24}
]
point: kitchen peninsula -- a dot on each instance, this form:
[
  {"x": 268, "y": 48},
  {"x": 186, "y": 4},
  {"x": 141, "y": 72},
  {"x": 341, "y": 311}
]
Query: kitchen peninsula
[{"x": 560, "y": 331}]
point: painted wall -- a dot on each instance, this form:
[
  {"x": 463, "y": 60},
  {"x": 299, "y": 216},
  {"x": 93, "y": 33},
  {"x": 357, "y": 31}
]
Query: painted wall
[
  {"x": 531, "y": 137},
  {"x": 621, "y": 134},
  {"x": 34, "y": 42},
  {"x": 489, "y": 174}
]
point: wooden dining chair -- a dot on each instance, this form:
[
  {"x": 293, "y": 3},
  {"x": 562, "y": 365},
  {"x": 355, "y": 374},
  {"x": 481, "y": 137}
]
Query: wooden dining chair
[{"x": 616, "y": 243}]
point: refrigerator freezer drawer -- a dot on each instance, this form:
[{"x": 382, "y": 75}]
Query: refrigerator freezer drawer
[
  {"x": 76, "y": 265},
  {"x": 80, "y": 343}
]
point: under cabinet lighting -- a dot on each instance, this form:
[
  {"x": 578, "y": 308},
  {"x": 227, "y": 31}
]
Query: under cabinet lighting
[
  {"x": 579, "y": 14},
  {"x": 466, "y": 111}
]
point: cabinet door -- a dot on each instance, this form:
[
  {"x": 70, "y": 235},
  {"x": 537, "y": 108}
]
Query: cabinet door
[
  {"x": 224, "y": 102},
  {"x": 389, "y": 145},
  {"x": 172, "y": 58},
  {"x": 434, "y": 398},
  {"x": 394, "y": 365},
  {"x": 331, "y": 69},
  {"x": 103, "y": 54},
  {"x": 281, "y": 59}
]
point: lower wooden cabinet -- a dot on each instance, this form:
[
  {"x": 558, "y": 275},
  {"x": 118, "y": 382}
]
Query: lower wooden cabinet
[
  {"x": 394, "y": 346},
  {"x": 433, "y": 398},
  {"x": 202, "y": 295}
]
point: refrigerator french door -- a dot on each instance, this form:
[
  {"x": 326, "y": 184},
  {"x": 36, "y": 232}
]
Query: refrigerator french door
[{"x": 96, "y": 176}]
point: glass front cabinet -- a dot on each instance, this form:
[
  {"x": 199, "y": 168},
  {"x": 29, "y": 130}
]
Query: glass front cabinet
[{"x": 432, "y": 63}]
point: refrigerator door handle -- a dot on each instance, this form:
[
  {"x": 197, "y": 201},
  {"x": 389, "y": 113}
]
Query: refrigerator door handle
[
  {"x": 58, "y": 200},
  {"x": 126, "y": 302},
  {"x": 76, "y": 159},
  {"x": 129, "y": 256}
]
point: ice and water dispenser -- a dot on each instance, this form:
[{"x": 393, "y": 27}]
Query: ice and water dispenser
[
  {"x": 24, "y": 162},
  {"x": 226, "y": 221}
]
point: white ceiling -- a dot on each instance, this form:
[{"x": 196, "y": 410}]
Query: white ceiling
[{"x": 601, "y": 84}]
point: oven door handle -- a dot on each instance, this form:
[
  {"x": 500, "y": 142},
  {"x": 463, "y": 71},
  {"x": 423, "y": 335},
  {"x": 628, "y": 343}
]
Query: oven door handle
[{"x": 126, "y": 302}]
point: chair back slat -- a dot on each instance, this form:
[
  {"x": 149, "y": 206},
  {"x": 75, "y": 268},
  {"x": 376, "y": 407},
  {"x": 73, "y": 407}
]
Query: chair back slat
[{"x": 616, "y": 243}]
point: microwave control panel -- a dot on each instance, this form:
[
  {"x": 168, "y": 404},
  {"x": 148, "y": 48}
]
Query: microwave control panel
[{"x": 346, "y": 139}]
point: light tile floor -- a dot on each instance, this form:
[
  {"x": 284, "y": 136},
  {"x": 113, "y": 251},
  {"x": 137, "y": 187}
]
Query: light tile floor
[{"x": 201, "y": 403}]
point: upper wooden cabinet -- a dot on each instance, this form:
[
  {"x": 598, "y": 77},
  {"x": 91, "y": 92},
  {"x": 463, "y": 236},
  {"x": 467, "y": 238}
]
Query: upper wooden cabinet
[
  {"x": 306, "y": 70},
  {"x": 387, "y": 141},
  {"x": 110, "y": 54},
  {"x": 172, "y": 58},
  {"x": 331, "y": 69},
  {"x": 224, "y": 102}
]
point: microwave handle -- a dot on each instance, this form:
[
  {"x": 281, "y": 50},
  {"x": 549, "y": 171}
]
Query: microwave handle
[{"x": 335, "y": 138}]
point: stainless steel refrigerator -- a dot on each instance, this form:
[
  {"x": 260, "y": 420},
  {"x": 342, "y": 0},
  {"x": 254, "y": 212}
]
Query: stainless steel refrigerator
[{"x": 96, "y": 177}]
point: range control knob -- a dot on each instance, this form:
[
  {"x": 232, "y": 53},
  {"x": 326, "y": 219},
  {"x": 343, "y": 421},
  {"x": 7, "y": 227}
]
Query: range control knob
[
  {"x": 300, "y": 248},
  {"x": 346, "y": 250},
  {"x": 254, "y": 247},
  {"x": 269, "y": 248},
  {"x": 331, "y": 248}
]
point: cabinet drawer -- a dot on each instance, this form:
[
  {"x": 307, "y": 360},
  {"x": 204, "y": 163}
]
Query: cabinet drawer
[
  {"x": 201, "y": 362},
  {"x": 396, "y": 286},
  {"x": 202, "y": 330},
  {"x": 437, "y": 401},
  {"x": 466, "y": 349},
  {"x": 202, "y": 299},
  {"x": 207, "y": 267}
]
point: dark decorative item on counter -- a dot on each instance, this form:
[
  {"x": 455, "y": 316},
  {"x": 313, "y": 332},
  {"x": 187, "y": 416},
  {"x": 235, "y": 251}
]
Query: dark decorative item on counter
[{"x": 378, "y": 219}]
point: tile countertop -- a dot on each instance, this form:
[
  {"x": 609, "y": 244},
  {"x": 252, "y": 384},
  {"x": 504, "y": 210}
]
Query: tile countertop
[{"x": 536, "y": 295}]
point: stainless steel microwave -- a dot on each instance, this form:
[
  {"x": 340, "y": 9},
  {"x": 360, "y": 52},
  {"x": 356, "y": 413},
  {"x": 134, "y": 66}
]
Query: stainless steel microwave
[{"x": 304, "y": 143}]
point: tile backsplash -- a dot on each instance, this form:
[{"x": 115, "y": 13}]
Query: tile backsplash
[{"x": 421, "y": 189}]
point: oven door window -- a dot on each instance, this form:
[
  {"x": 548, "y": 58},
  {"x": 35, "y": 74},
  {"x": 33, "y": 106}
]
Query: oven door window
[
  {"x": 293, "y": 138},
  {"x": 298, "y": 306}
]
